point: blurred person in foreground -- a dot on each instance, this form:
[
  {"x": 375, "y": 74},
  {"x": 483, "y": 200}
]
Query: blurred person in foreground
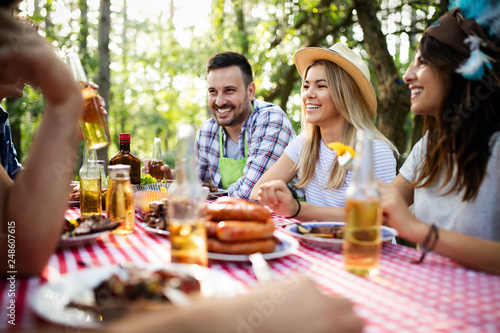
[
  {"x": 337, "y": 100},
  {"x": 245, "y": 136},
  {"x": 8, "y": 154},
  {"x": 32, "y": 209},
  {"x": 452, "y": 175}
]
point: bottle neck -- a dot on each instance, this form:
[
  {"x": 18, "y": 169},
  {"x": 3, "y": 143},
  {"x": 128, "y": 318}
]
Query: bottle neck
[
  {"x": 363, "y": 184},
  {"x": 187, "y": 174},
  {"x": 363, "y": 166},
  {"x": 125, "y": 145},
  {"x": 90, "y": 167},
  {"x": 157, "y": 150}
]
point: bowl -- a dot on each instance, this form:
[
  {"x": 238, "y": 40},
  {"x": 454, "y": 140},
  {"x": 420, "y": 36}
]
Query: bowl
[
  {"x": 145, "y": 194},
  {"x": 330, "y": 243}
]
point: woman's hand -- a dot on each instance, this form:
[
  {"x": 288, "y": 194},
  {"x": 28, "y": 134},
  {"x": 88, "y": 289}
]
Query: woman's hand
[
  {"x": 396, "y": 212},
  {"x": 276, "y": 195}
]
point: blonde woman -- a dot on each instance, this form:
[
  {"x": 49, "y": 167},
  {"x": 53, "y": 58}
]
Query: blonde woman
[{"x": 337, "y": 99}]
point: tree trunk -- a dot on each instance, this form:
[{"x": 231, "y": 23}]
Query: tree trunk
[
  {"x": 104, "y": 62},
  {"x": 393, "y": 95},
  {"x": 240, "y": 23},
  {"x": 84, "y": 31}
]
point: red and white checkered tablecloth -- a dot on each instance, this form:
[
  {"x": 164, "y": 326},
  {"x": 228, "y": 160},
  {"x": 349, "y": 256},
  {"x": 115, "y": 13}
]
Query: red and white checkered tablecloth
[{"x": 436, "y": 296}]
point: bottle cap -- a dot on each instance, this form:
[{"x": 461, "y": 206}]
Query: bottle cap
[{"x": 124, "y": 137}]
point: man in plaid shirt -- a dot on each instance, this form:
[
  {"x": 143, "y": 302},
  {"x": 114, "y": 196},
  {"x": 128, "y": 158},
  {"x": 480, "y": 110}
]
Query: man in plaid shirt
[{"x": 245, "y": 136}]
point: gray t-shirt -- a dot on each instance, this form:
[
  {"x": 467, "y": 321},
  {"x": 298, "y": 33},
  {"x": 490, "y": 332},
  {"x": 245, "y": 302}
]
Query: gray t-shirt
[{"x": 479, "y": 218}]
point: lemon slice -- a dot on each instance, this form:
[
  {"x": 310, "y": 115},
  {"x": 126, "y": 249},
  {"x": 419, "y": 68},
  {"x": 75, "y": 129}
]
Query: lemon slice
[
  {"x": 341, "y": 148},
  {"x": 345, "y": 154},
  {"x": 163, "y": 189}
]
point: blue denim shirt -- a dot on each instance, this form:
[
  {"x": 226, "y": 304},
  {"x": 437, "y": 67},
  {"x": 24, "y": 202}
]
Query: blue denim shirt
[{"x": 9, "y": 154}]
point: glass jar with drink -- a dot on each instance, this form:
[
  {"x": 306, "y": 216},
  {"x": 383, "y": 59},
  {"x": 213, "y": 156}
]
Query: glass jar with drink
[
  {"x": 90, "y": 185},
  {"x": 93, "y": 122},
  {"x": 362, "y": 241},
  {"x": 120, "y": 204},
  {"x": 186, "y": 205}
]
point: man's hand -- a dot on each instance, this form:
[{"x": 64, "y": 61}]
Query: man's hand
[{"x": 167, "y": 172}]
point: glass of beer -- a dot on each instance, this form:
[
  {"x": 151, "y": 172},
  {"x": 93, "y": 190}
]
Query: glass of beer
[
  {"x": 93, "y": 122},
  {"x": 186, "y": 205},
  {"x": 120, "y": 205},
  {"x": 362, "y": 242},
  {"x": 363, "y": 216},
  {"x": 188, "y": 242}
]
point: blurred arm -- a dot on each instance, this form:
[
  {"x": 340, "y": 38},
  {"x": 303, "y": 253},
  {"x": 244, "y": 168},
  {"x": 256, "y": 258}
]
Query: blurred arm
[{"x": 35, "y": 203}]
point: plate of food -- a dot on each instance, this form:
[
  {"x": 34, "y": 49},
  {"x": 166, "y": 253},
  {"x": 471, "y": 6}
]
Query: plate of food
[
  {"x": 284, "y": 246},
  {"x": 156, "y": 220},
  {"x": 74, "y": 300},
  {"x": 328, "y": 234},
  {"x": 237, "y": 228},
  {"x": 154, "y": 230},
  {"x": 85, "y": 230}
]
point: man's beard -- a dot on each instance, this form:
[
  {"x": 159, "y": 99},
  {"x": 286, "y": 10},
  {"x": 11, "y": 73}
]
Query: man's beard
[{"x": 237, "y": 118}]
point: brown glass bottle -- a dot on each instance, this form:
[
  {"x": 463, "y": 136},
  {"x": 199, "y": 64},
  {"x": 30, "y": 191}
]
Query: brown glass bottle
[
  {"x": 124, "y": 156},
  {"x": 156, "y": 162}
]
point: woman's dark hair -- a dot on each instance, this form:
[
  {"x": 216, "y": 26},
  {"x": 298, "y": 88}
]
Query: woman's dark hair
[
  {"x": 459, "y": 136},
  {"x": 10, "y": 4},
  {"x": 228, "y": 59}
]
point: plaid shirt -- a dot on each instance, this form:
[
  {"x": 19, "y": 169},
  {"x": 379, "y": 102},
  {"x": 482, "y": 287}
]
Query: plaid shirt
[
  {"x": 8, "y": 153},
  {"x": 267, "y": 132}
]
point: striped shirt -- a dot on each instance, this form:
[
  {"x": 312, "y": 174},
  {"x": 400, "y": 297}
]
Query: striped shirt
[
  {"x": 384, "y": 165},
  {"x": 267, "y": 132}
]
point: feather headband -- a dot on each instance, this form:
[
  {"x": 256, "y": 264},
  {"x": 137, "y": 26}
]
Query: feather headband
[{"x": 459, "y": 30}]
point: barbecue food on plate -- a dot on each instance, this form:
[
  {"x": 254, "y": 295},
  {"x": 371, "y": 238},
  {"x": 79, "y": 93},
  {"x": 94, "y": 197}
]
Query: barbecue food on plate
[
  {"x": 89, "y": 225},
  {"x": 227, "y": 208},
  {"x": 236, "y": 226},
  {"x": 158, "y": 215},
  {"x": 140, "y": 289}
]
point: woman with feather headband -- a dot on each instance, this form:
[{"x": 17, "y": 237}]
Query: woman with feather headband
[{"x": 452, "y": 175}]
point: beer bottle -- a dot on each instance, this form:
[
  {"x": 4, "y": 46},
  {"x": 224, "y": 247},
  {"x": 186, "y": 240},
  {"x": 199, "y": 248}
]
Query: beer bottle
[
  {"x": 186, "y": 205},
  {"x": 156, "y": 162},
  {"x": 362, "y": 243},
  {"x": 90, "y": 185},
  {"x": 124, "y": 156}
]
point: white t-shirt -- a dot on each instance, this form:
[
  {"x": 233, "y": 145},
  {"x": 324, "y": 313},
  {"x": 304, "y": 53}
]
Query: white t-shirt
[
  {"x": 384, "y": 164},
  {"x": 479, "y": 218}
]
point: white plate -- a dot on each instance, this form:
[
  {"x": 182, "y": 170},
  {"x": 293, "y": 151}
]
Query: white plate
[
  {"x": 153, "y": 230},
  {"x": 287, "y": 246},
  {"x": 219, "y": 193},
  {"x": 80, "y": 240},
  {"x": 49, "y": 300},
  {"x": 331, "y": 243}
]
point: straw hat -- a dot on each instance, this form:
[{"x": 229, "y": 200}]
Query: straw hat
[{"x": 345, "y": 58}]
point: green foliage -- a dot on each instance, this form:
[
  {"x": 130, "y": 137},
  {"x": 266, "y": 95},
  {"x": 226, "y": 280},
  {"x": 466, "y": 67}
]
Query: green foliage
[{"x": 158, "y": 80}]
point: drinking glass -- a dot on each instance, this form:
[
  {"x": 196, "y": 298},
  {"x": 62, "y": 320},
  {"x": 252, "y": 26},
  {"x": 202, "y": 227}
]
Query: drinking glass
[
  {"x": 120, "y": 204},
  {"x": 94, "y": 127}
]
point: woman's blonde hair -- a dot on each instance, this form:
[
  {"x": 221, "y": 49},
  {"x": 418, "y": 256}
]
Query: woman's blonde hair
[{"x": 352, "y": 108}]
